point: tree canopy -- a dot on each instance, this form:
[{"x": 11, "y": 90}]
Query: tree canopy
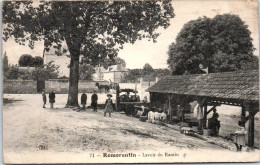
[
  {"x": 222, "y": 44},
  {"x": 89, "y": 28},
  {"x": 26, "y": 60},
  {"x": 38, "y": 61},
  {"x": 147, "y": 69}
]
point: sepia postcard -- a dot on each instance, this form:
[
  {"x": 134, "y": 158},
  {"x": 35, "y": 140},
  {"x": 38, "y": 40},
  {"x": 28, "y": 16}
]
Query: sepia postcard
[{"x": 154, "y": 81}]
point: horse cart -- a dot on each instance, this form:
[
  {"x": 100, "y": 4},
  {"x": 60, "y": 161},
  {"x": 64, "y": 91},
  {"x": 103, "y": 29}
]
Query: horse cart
[{"x": 128, "y": 101}]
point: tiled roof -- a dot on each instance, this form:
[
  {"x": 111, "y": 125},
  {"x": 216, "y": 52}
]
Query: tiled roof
[{"x": 230, "y": 85}]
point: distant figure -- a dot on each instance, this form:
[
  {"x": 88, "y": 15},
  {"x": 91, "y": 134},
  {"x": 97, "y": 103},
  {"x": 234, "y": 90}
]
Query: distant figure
[
  {"x": 239, "y": 136},
  {"x": 52, "y": 98},
  {"x": 94, "y": 99},
  {"x": 109, "y": 105},
  {"x": 180, "y": 113},
  {"x": 214, "y": 124},
  {"x": 84, "y": 100},
  {"x": 145, "y": 99},
  {"x": 215, "y": 112},
  {"x": 44, "y": 98}
]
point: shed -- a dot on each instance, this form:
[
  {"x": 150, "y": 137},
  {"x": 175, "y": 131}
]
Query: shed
[{"x": 239, "y": 88}]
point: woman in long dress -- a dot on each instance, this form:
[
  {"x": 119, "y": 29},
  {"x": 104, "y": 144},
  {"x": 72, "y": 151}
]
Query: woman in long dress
[
  {"x": 109, "y": 105},
  {"x": 239, "y": 136}
]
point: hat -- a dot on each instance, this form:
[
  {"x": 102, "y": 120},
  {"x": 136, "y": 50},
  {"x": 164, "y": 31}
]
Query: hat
[
  {"x": 109, "y": 95},
  {"x": 215, "y": 115}
]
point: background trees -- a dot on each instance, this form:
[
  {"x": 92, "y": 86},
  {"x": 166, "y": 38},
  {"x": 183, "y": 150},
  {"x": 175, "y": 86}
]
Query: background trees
[
  {"x": 86, "y": 71},
  {"x": 38, "y": 61},
  {"x": 5, "y": 63},
  {"x": 27, "y": 60},
  {"x": 108, "y": 62},
  {"x": 45, "y": 72},
  {"x": 88, "y": 28},
  {"x": 147, "y": 73},
  {"x": 222, "y": 44}
]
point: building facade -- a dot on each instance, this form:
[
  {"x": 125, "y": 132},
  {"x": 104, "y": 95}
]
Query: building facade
[{"x": 114, "y": 73}]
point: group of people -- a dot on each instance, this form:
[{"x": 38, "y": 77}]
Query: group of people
[
  {"x": 51, "y": 98},
  {"x": 239, "y": 135},
  {"x": 94, "y": 101},
  {"x": 213, "y": 124}
]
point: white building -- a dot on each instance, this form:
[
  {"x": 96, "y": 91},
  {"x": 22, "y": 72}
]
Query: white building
[{"x": 114, "y": 73}]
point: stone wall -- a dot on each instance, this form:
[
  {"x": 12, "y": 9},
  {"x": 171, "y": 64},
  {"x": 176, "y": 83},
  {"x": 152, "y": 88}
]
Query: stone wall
[
  {"x": 20, "y": 86},
  {"x": 62, "y": 86},
  {"x": 57, "y": 85}
]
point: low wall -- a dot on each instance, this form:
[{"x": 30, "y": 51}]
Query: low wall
[
  {"x": 87, "y": 86},
  {"x": 62, "y": 86},
  {"x": 20, "y": 86},
  {"x": 58, "y": 86}
]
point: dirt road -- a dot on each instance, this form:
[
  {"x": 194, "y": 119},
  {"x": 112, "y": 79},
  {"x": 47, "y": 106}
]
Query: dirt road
[{"x": 27, "y": 127}]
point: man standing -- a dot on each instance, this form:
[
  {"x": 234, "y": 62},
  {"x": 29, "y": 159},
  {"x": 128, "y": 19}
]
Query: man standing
[
  {"x": 44, "y": 98},
  {"x": 94, "y": 99},
  {"x": 84, "y": 100},
  {"x": 52, "y": 98}
]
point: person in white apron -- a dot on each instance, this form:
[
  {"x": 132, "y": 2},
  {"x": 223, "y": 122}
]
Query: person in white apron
[{"x": 239, "y": 136}]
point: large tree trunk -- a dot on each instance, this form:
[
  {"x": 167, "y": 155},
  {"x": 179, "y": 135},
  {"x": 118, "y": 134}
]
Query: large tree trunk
[{"x": 73, "y": 82}]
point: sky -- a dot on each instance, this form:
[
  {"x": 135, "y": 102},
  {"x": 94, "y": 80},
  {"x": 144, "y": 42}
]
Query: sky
[{"x": 155, "y": 54}]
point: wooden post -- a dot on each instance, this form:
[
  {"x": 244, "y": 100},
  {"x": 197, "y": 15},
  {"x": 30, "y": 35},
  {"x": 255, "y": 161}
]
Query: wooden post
[
  {"x": 251, "y": 126},
  {"x": 199, "y": 119},
  {"x": 243, "y": 114},
  {"x": 201, "y": 102},
  {"x": 117, "y": 97},
  {"x": 169, "y": 96},
  {"x": 205, "y": 116},
  {"x": 251, "y": 129}
]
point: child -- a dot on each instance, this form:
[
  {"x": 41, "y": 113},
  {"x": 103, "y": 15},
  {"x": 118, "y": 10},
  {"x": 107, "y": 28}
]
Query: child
[
  {"x": 239, "y": 136},
  {"x": 44, "y": 98},
  {"x": 84, "y": 100},
  {"x": 109, "y": 105}
]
